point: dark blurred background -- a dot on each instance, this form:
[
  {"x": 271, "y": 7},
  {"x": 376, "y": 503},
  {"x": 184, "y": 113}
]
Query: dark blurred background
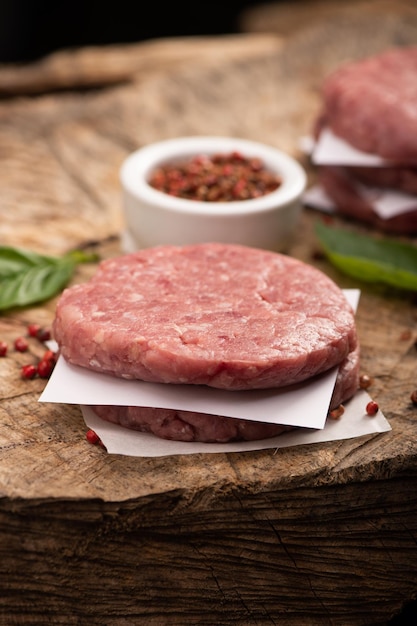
[{"x": 30, "y": 29}]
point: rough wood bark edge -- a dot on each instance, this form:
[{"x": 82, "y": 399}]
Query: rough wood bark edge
[{"x": 329, "y": 556}]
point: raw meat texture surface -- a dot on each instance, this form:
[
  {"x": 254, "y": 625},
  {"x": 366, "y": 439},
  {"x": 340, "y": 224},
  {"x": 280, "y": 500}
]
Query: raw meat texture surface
[
  {"x": 372, "y": 104},
  {"x": 222, "y": 315},
  {"x": 189, "y": 426},
  {"x": 399, "y": 178},
  {"x": 354, "y": 201}
]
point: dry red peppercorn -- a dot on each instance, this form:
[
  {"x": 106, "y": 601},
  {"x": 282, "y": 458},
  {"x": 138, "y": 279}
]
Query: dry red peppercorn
[
  {"x": 49, "y": 355},
  {"x": 365, "y": 381},
  {"x": 318, "y": 255},
  {"x": 21, "y": 344},
  {"x": 3, "y": 348},
  {"x": 217, "y": 178},
  {"x": 33, "y": 330},
  {"x": 413, "y": 397},
  {"x": 45, "y": 368},
  {"x": 92, "y": 437},
  {"x": 46, "y": 364},
  {"x": 336, "y": 413},
  {"x": 372, "y": 408},
  {"x": 28, "y": 372},
  {"x": 43, "y": 334}
]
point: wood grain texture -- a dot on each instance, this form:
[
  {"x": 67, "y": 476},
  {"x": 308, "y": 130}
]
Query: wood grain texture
[
  {"x": 317, "y": 535},
  {"x": 294, "y": 555}
]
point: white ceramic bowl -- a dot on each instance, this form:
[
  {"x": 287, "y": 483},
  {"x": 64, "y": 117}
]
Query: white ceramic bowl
[{"x": 154, "y": 217}]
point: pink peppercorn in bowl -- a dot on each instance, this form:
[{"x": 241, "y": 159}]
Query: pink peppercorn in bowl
[{"x": 178, "y": 192}]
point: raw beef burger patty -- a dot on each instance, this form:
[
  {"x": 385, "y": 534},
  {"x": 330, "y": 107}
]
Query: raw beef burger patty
[
  {"x": 353, "y": 200},
  {"x": 401, "y": 178},
  {"x": 188, "y": 426},
  {"x": 221, "y": 315},
  {"x": 372, "y": 104}
]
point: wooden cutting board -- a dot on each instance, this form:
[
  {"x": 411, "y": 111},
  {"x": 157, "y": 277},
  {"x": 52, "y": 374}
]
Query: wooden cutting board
[{"x": 318, "y": 534}]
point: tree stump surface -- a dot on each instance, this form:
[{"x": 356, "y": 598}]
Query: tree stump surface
[{"x": 321, "y": 534}]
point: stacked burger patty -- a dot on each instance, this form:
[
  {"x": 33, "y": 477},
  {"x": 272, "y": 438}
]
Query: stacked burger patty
[
  {"x": 372, "y": 105},
  {"x": 219, "y": 315}
]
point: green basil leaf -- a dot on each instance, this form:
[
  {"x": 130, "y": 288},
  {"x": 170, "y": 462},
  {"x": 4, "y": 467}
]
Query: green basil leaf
[
  {"x": 27, "y": 277},
  {"x": 14, "y": 260},
  {"x": 370, "y": 259}
]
